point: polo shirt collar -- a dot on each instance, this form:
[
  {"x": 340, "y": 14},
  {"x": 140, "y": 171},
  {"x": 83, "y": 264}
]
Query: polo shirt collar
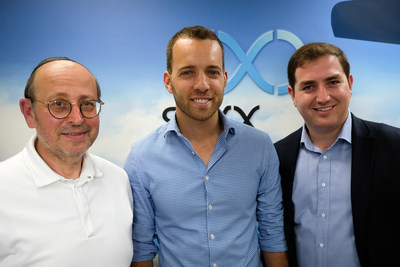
[{"x": 43, "y": 175}]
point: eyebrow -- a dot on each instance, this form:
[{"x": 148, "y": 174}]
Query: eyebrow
[
  {"x": 330, "y": 78},
  {"x": 333, "y": 77},
  {"x": 64, "y": 95},
  {"x": 188, "y": 67},
  {"x": 303, "y": 83}
]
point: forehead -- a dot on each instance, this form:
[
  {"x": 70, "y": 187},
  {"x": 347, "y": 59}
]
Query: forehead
[
  {"x": 320, "y": 67},
  {"x": 188, "y": 50},
  {"x": 64, "y": 77}
]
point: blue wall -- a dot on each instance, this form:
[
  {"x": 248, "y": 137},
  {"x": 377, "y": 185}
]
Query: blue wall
[{"x": 123, "y": 43}]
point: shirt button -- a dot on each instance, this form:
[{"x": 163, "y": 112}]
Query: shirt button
[
  {"x": 210, "y": 207},
  {"x": 323, "y": 184},
  {"x": 212, "y": 236},
  {"x": 323, "y": 215},
  {"x": 214, "y": 265},
  {"x": 193, "y": 152},
  {"x": 325, "y": 156},
  {"x": 321, "y": 245},
  {"x": 207, "y": 177}
]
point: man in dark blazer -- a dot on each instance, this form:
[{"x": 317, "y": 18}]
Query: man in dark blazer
[{"x": 340, "y": 177}]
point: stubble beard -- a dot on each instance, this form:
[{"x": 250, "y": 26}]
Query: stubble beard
[{"x": 191, "y": 113}]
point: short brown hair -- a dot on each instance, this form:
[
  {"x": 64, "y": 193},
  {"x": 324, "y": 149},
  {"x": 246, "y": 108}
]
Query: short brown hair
[
  {"x": 193, "y": 32},
  {"x": 311, "y": 52},
  {"x": 29, "y": 88}
]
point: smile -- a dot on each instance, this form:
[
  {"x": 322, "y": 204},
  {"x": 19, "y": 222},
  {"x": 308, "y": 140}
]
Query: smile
[
  {"x": 75, "y": 134},
  {"x": 324, "y": 109},
  {"x": 201, "y": 101}
]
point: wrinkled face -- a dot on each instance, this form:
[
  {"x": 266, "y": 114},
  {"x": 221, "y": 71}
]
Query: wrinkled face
[
  {"x": 61, "y": 138},
  {"x": 322, "y": 94},
  {"x": 198, "y": 79}
]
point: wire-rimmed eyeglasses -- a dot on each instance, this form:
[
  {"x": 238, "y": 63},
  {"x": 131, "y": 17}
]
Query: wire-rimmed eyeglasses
[{"x": 60, "y": 108}]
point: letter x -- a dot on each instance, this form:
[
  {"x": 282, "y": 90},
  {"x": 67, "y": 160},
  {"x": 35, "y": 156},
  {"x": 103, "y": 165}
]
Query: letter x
[{"x": 246, "y": 60}]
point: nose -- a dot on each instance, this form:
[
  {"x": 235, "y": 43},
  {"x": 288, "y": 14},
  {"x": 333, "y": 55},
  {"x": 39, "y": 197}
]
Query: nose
[
  {"x": 323, "y": 95},
  {"x": 202, "y": 82},
  {"x": 75, "y": 116}
]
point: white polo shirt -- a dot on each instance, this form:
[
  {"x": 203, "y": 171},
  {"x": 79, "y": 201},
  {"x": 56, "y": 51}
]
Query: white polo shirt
[{"x": 49, "y": 221}]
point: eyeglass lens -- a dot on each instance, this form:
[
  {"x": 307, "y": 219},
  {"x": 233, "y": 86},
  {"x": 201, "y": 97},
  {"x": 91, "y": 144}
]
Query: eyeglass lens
[{"x": 62, "y": 108}]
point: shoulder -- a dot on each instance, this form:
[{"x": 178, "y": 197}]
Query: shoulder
[
  {"x": 16, "y": 159},
  {"x": 150, "y": 140},
  {"x": 145, "y": 149},
  {"x": 106, "y": 166},
  {"x": 248, "y": 133},
  {"x": 293, "y": 138},
  {"x": 15, "y": 174},
  {"x": 12, "y": 165},
  {"x": 378, "y": 130}
]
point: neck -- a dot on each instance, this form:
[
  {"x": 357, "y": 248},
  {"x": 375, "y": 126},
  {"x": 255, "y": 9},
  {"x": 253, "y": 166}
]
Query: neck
[
  {"x": 199, "y": 130},
  {"x": 67, "y": 167},
  {"x": 203, "y": 135},
  {"x": 323, "y": 139}
]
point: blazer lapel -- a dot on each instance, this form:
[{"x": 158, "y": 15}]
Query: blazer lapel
[{"x": 361, "y": 176}]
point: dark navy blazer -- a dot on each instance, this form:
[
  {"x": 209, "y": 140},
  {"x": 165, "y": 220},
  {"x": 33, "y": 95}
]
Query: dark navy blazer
[{"x": 375, "y": 191}]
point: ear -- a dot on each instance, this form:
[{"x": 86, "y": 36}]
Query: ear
[
  {"x": 25, "y": 106},
  {"x": 167, "y": 82},
  {"x": 291, "y": 92},
  {"x": 351, "y": 84},
  {"x": 226, "y": 79}
]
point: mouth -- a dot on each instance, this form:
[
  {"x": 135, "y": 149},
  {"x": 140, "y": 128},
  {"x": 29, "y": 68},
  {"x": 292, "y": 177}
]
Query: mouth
[
  {"x": 201, "y": 100},
  {"x": 324, "y": 109},
  {"x": 75, "y": 136}
]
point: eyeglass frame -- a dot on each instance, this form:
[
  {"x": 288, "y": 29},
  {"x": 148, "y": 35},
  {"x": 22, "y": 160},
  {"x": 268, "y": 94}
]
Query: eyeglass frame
[{"x": 70, "y": 106}]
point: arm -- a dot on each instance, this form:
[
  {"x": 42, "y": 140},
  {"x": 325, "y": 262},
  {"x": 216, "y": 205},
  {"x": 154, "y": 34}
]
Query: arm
[
  {"x": 143, "y": 230},
  {"x": 270, "y": 213},
  {"x": 276, "y": 259},
  {"x": 142, "y": 264}
]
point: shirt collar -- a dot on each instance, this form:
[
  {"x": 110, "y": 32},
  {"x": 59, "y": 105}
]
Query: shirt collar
[
  {"x": 345, "y": 134},
  {"x": 229, "y": 127},
  {"x": 43, "y": 175}
]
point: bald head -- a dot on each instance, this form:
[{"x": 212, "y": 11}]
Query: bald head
[{"x": 58, "y": 66}]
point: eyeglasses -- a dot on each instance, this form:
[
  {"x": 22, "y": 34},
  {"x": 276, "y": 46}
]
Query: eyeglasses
[{"x": 60, "y": 108}]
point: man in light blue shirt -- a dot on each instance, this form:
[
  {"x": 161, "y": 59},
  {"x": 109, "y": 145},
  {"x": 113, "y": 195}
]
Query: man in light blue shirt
[
  {"x": 324, "y": 174},
  {"x": 340, "y": 175},
  {"x": 206, "y": 188}
]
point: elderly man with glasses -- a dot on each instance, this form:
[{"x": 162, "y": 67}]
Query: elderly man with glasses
[{"x": 60, "y": 205}]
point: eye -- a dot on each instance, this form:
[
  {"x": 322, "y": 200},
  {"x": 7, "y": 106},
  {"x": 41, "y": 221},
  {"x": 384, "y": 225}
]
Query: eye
[
  {"x": 307, "y": 87},
  {"x": 334, "y": 82},
  {"x": 186, "y": 72},
  {"x": 214, "y": 72},
  {"x": 88, "y": 104},
  {"x": 60, "y": 103}
]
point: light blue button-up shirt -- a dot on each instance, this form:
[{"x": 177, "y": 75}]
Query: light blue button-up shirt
[
  {"x": 206, "y": 215},
  {"x": 322, "y": 200}
]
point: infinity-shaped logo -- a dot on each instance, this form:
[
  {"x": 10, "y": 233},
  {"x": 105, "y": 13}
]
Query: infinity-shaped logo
[{"x": 246, "y": 65}]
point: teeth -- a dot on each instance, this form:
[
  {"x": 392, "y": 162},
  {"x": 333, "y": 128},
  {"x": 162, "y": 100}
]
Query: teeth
[
  {"x": 324, "y": 109},
  {"x": 75, "y": 134},
  {"x": 202, "y": 101}
]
